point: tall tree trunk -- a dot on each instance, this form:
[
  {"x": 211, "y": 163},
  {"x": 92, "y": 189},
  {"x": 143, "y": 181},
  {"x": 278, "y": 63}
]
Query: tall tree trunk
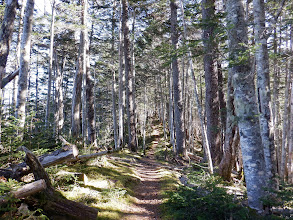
[
  {"x": 50, "y": 66},
  {"x": 276, "y": 120},
  {"x": 171, "y": 113},
  {"x": 76, "y": 96},
  {"x": 132, "y": 143},
  {"x": 205, "y": 140},
  {"x": 6, "y": 31},
  {"x": 114, "y": 81},
  {"x": 211, "y": 80},
  {"x": 59, "y": 119},
  {"x": 245, "y": 103},
  {"x": 178, "y": 107},
  {"x": 19, "y": 34},
  {"x": 121, "y": 85},
  {"x": 24, "y": 63},
  {"x": 5, "y": 39},
  {"x": 285, "y": 124},
  {"x": 263, "y": 88},
  {"x": 229, "y": 156}
]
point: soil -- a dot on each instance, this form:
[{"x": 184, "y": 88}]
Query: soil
[{"x": 147, "y": 192}]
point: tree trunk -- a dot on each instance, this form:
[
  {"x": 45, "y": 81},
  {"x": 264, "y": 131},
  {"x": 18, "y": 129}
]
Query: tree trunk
[
  {"x": 285, "y": 125},
  {"x": 50, "y": 65},
  {"x": 76, "y": 97},
  {"x": 263, "y": 85},
  {"x": 132, "y": 143},
  {"x": 211, "y": 80},
  {"x": 121, "y": 86},
  {"x": 5, "y": 39},
  {"x": 59, "y": 118},
  {"x": 114, "y": 81},
  {"x": 24, "y": 63},
  {"x": 178, "y": 107},
  {"x": 6, "y": 31},
  {"x": 171, "y": 114},
  {"x": 229, "y": 156},
  {"x": 19, "y": 34},
  {"x": 205, "y": 140},
  {"x": 245, "y": 103}
]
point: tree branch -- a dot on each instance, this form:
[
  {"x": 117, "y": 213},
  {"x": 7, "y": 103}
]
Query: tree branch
[{"x": 9, "y": 78}]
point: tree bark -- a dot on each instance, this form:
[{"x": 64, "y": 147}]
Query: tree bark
[
  {"x": 114, "y": 114},
  {"x": 24, "y": 63},
  {"x": 19, "y": 34},
  {"x": 132, "y": 143},
  {"x": 178, "y": 107},
  {"x": 6, "y": 34},
  {"x": 245, "y": 103},
  {"x": 121, "y": 86},
  {"x": 205, "y": 140},
  {"x": 59, "y": 118},
  {"x": 211, "y": 80},
  {"x": 76, "y": 97},
  {"x": 263, "y": 85},
  {"x": 50, "y": 65},
  {"x": 230, "y": 144},
  {"x": 286, "y": 125}
]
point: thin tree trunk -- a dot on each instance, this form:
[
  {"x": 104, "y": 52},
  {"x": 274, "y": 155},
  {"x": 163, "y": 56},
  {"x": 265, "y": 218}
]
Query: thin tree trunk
[
  {"x": 229, "y": 156},
  {"x": 5, "y": 39},
  {"x": 245, "y": 103},
  {"x": 50, "y": 66},
  {"x": 19, "y": 34},
  {"x": 114, "y": 82},
  {"x": 275, "y": 111},
  {"x": 211, "y": 80},
  {"x": 132, "y": 143},
  {"x": 171, "y": 113},
  {"x": 290, "y": 150},
  {"x": 24, "y": 63},
  {"x": 121, "y": 85},
  {"x": 205, "y": 140},
  {"x": 76, "y": 97},
  {"x": 263, "y": 84},
  {"x": 178, "y": 107},
  {"x": 285, "y": 125},
  {"x": 59, "y": 119}
]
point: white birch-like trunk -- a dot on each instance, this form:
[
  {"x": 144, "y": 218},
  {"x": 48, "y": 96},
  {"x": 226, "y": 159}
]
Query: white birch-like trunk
[
  {"x": 285, "y": 125},
  {"x": 24, "y": 63},
  {"x": 59, "y": 118},
  {"x": 245, "y": 103},
  {"x": 263, "y": 85}
]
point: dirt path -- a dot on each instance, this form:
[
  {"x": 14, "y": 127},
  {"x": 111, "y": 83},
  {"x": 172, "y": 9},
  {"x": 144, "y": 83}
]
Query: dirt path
[{"x": 147, "y": 197}]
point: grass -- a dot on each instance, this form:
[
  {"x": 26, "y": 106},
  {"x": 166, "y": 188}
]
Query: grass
[{"x": 111, "y": 180}]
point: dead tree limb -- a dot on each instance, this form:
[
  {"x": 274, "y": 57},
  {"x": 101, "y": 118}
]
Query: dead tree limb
[
  {"x": 27, "y": 190},
  {"x": 9, "y": 78},
  {"x": 55, "y": 205}
]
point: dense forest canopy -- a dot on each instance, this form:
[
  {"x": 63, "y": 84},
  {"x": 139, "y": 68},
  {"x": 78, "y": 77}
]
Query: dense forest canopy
[{"x": 216, "y": 74}]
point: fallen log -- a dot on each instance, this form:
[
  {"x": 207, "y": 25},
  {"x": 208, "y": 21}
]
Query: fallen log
[
  {"x": 27, "y": 190},
  {"x": 16, "y": 171},
  {"x": 55, "y": 206}
]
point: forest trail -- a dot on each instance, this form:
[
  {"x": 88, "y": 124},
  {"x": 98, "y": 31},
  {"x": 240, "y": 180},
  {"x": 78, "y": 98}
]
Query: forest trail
[{"x": 147, "y": 192}]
